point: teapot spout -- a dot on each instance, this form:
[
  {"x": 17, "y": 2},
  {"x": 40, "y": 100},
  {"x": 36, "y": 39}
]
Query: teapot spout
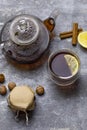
[
  {"x": 54, "y": 14},
  {"x": 50, "y": 21}
]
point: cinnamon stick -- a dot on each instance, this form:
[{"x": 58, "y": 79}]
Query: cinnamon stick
[
  {"x": 75, "y": 33},
  {"x": 68, "y": 34}
]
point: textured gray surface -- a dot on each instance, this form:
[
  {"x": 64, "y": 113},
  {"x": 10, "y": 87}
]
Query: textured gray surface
[{"x": 56, "y": 109}]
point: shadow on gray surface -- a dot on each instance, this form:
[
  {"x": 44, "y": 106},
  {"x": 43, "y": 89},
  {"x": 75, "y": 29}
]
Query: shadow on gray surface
[{"x": 68, "y": 91}]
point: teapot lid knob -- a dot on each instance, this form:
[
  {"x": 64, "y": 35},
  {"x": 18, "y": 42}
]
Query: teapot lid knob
[{"x": 24, "y": 30}]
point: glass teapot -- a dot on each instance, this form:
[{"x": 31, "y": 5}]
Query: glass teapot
[{"x": 26, "y": 37}]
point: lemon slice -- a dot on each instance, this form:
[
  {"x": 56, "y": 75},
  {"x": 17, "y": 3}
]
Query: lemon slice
[
  {"x": 82, "y": 39},
  {"x": 72, "y": 63}
]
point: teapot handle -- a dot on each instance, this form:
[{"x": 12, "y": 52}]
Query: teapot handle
[{"x": 50, "y": 21}]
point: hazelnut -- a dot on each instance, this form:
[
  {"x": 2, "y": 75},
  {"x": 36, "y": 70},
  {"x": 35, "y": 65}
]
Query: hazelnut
[
  {"x": 11, "y": 85},
  {"x": 3, "y": 90},
  {"x": 40, "y": 90},
  {"x": 2, "y": 78}
]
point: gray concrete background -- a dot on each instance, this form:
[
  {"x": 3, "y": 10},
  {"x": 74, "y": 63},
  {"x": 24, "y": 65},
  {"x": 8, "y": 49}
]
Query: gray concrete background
[{"x": 56, "y": 109}]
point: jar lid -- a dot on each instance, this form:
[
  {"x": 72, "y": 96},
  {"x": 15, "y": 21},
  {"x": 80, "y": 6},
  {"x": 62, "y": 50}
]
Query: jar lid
[{"x": 24, "y": 30}]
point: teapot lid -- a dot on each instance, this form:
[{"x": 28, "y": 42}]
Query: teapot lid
[{"x": 24, "y": 30}]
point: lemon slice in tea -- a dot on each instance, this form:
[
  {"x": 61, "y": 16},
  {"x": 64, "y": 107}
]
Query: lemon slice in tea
[{"x": 72, "y": 63}]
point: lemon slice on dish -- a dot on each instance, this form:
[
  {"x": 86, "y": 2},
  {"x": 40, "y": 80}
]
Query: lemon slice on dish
[
  {"x": 72, "y": 63},
  {"x": 82, "y": 39}
]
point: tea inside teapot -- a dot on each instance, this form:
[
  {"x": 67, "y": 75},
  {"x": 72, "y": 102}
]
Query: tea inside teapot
[{"x": 27, "y": 38}]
